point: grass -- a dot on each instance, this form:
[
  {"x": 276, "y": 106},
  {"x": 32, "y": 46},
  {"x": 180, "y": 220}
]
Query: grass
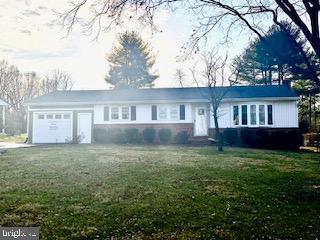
[
  {"x": 164, "y": 192},
  {"x": 13, "y": 139}
]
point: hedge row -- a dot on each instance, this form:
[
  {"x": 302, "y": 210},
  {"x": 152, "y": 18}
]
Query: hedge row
[
  {"x": 133, "y": 136},
  {"x": 261, "y": 138}
]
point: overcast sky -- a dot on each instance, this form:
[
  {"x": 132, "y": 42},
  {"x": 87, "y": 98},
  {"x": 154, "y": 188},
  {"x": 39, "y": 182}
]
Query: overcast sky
[{"x": 31, "y": 40}]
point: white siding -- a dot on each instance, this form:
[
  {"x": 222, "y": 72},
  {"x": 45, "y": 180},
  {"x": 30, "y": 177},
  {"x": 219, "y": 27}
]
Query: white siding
[
  {"x": 143, "y": 114},
  {"x": 285, "y": 114},
  {"x": 224, "y": 114}
]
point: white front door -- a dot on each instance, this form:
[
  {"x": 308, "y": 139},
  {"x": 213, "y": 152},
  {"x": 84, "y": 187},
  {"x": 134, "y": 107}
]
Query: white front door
[
  {"x": 200, "y": 123},
  {"x": 84, "y": 127}
]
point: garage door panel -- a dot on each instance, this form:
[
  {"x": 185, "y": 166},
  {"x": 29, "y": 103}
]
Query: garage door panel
[{"x": 49, "y": 128}]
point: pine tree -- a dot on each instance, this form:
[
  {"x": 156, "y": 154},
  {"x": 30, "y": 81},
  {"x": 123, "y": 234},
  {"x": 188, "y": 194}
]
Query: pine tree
[
  {"x": 274, "y": 59},
  {"x": 131, "y": 62}
]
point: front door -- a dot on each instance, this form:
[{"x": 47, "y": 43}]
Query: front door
[
  {"x": 200, "y": 123},
  {"x": 84, "y": 127}
]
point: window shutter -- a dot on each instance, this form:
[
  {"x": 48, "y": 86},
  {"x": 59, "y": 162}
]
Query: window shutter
[
  {"x": 154, "y": 112},
  {"x": 106, "y": 113},
  {"x": 133, "y": 113},
  {"x": 182, "y": 112}
]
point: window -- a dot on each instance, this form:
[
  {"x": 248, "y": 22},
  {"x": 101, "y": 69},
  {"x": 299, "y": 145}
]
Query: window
[
  {"x": 174, "y": 113},
  {"x": 262, "y": 118},
  {"x": 125, "y": 113},
  {"x": 40, "y": 116},
  {"x": 133, "y": 113},
  {"x": 200, "y": 111},
  {"x": 236, "y": 115},
  {"x": 182, "y": 112},
  {"x": 106, "y": 113},
  {"x": 66, "y": 116},
  {"x": 154, "y": 112},
  {"x": 49, "y": 116},
  {"x": 114, "y": 113},
  {"x": 253, "y": 114},
  {"x": 270, "y": 120},
  {"x": 57, "y": 116},
  {"x": 244, "y": 115},
  {"x": 162, "y": 113}
]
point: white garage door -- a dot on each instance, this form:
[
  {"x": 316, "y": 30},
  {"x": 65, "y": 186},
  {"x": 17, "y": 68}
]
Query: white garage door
[{"x": 53, "y": 127}]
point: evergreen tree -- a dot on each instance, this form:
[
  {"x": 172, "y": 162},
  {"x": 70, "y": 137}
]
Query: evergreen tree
[
  {"x": 274, "y": 59},
  {"x": 131, "y": 62}
]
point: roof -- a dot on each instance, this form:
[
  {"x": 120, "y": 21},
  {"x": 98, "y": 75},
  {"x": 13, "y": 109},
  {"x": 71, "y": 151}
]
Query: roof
[
  {"x": 161, "y": 94},
  {"x": 3, "y": 103}
]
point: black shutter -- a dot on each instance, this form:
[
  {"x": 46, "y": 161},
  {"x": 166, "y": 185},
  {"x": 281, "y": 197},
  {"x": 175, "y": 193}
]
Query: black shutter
[
  {"x": 154, "y": 112},
  {"x": 133, "y": 113},
  {"x": 106, "y": 113},
  {"x": 182, "y": 112}
]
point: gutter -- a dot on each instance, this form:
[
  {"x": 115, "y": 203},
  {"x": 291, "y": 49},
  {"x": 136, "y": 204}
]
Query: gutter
[{"x": 162, "y": 101}]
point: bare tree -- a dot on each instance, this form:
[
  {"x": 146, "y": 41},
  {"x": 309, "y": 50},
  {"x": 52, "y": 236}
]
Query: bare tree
[
  {"x": 180, "y": 76},
  {"x": 56, "y": 80},
  {"x": 228, "y": 14},
  {"x": 215, "y": 77},
  {"x": 16, "y": 88}
]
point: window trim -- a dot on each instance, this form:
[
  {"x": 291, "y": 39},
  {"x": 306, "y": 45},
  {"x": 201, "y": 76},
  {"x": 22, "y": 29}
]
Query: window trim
[
  {"x": 129, "y": 117},
  {"x": 257, "y": 114}
]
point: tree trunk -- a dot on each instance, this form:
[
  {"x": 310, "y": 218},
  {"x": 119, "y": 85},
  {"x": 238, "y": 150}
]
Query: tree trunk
[
  {"x": 218, "y": 134},
  {"x": 310, "y": 113}
]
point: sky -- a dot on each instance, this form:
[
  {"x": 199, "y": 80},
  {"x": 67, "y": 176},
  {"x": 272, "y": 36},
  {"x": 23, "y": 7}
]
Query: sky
[{"x": 32, "y": 40}]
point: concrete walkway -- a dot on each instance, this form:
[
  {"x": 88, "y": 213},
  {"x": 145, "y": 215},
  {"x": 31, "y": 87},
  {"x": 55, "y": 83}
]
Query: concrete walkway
[{"x": 7, "y": 145}]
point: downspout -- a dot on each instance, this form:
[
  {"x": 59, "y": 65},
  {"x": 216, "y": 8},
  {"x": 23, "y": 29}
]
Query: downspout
[{"x": 3, "y": 118}]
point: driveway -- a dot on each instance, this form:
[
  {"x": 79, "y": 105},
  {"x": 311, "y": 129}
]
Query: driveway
[{"x": 8, "y": 145}]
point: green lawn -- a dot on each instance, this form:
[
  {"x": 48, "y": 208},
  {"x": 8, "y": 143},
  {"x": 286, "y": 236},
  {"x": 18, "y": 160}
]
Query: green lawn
[{"x": 151, "y": 192}]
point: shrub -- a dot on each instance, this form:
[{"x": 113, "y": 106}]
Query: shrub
[
  {"x": 164, "y": 135},
  {"x": 295, "y": 140},
  {"x": 278, "y": 140},
  {"x": 149, "y": 135},
  {"x": 132, "y": 135},
  {"x": 246, "y": 136},
  {"x": 182, "y": 137},
  {"x": 116, "y": 136},
  {"x": 261, "y": 139},
  {"x": 100, "y": 135},
  {"x": 230, "y": 135}
]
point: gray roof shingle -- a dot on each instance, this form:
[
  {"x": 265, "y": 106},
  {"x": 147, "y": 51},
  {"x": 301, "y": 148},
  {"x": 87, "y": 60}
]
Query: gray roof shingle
[{"x": 159, "y": 94}]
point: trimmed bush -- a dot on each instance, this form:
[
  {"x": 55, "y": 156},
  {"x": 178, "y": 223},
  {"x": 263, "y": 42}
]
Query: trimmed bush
[
  {"x": 182, "y": 137},
  {"x": 116, "y": 136},
  {"x": 100, "y": 135},
  {"x": 132, "y": 135},
  {"x": 164, "y": 135},
  {"x": 295, "y": 140},
  {"x": 261, "y": 139},
  {"x": 149, "y": 135},
  {"x": 246, "y": 136},
  {"x": 231, "y": 136},
  {"x": 279, "y": 140}
]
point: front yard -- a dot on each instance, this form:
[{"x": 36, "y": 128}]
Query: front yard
[{"x": 160, "y": 192}]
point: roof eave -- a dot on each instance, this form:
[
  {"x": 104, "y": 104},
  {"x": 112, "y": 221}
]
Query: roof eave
[{"x": 161, "y": 101}]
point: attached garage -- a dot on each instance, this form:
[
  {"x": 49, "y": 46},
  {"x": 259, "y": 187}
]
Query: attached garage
[{"x": 52, "y": 127}]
